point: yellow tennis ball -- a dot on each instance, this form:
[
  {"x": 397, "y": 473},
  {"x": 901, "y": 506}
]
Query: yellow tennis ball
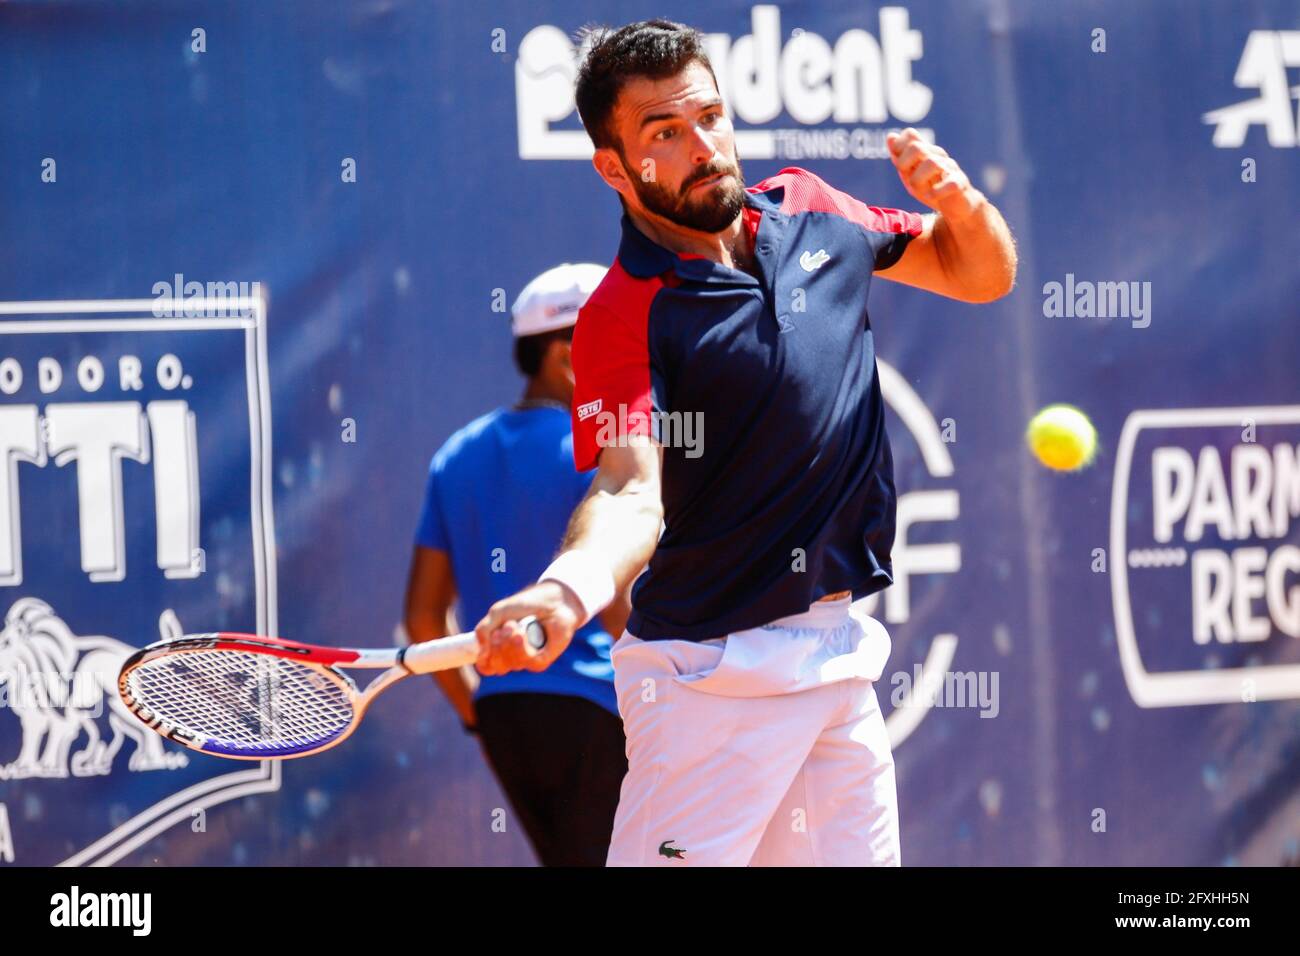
[{"x": 1062, "y": 438}]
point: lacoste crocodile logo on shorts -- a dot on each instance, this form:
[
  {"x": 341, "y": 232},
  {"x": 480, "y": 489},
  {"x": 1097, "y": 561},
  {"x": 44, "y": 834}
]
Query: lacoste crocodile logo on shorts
[{"x": 672, "y": 852}]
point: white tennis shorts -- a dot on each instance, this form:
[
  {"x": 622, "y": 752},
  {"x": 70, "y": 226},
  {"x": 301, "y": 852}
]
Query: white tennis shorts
[{"x": 765, "y": 748}]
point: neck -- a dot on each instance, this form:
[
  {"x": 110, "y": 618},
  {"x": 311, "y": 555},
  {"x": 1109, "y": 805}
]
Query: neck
[
  {"x": 545, "y": 391},
  {"x": 728, "y": 247}
]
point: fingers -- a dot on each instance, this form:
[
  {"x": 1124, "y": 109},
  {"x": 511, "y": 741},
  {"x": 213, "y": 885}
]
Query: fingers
[
  {"x": 503, "y": 644},
  {"x": 947, "y": 189},
  {"x": 492, "y": 634},
  {"x": 908, "y": 151},
  {"x": 897, "y": 142},
  {"x": 908, "y": 148},
  {"x": 538, "y": 658},
  {"x": 926, "y": 174},
  {"x": 486, "y": 631},
  {"x": 504, "y": 648},
  {"x": 922, "y": 168},
  {"x": 507, "y": 650},
  {"x": 930, "y": 175}
]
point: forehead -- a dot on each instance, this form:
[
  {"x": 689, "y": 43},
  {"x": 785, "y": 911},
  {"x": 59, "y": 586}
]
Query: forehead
[{"x": 641, "y": 96}]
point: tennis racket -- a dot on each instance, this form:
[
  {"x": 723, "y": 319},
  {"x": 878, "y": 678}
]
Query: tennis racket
[{"x": 264, "y": 698}]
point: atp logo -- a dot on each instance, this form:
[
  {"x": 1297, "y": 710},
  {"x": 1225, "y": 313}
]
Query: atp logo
[{"x": 1267, "y": 56}]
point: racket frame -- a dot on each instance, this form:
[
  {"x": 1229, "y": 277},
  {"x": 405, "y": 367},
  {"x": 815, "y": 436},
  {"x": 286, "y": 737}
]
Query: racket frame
[{"x": 397, "y": 663}]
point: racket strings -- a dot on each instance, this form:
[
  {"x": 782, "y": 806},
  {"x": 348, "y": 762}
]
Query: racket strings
[{"x": 244, "y": 702}]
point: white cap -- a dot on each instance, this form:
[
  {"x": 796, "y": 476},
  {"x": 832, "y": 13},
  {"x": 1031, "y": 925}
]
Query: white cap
[{"x": 552, "y": 300}]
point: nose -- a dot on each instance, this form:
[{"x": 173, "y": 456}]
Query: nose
[{"x": 703, "y": 148}]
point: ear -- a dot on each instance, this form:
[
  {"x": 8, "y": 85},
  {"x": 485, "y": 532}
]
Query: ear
[
  {"x": 559, "y": 353},
  {"x": 610, "y": 168}
]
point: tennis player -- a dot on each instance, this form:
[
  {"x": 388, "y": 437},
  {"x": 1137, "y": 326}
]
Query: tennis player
[
  {"x": 745, "y": 678},
  {"x": 498, "y": 497}
]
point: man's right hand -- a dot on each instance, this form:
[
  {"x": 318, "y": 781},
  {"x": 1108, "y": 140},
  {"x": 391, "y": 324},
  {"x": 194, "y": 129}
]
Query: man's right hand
[
  {"x": 502, "y": 647},
  {"x": 617, "y": 523}
]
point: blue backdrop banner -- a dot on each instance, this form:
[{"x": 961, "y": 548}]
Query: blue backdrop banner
[{"x": 254, "y": 264}]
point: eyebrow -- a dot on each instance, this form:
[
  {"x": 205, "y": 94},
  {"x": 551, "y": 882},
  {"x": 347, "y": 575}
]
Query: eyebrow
[{"x": 660, "y": 117}]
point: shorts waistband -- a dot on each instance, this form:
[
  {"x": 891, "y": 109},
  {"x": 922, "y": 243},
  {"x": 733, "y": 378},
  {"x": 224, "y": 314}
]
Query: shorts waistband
[{"x": 821, "y": 614}]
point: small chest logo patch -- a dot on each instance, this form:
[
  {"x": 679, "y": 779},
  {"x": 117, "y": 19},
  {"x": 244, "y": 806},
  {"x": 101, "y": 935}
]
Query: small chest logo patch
[
  {"x": 813, "y": 261},
  {"x": 591, "y": 408}
]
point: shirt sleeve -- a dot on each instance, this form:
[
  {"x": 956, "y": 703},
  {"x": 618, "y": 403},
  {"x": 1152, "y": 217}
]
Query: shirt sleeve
[
  {"x": 431, "y": 532},
  {"x": 888, "y": 231},
  {"x": 612, "y": 394}
]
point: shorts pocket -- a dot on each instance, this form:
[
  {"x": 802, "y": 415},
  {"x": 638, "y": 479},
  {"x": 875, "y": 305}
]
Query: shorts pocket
[
  {"x": 760, "y": 662},
  {"x": 636, "y": 662},
  {"x": 771, "y": 661}
]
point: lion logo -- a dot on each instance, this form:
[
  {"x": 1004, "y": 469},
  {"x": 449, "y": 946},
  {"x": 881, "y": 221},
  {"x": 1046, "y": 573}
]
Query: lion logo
[{"x": 56, "y": 683}]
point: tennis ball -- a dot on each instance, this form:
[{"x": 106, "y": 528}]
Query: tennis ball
[{"x": 1062, "y": 438}]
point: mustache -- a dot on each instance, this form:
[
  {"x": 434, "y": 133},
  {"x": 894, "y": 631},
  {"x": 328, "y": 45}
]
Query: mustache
[{"x": 706, "y": 174}]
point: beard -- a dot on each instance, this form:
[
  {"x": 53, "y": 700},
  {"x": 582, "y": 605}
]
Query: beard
[{"x": 710, "y": 209}]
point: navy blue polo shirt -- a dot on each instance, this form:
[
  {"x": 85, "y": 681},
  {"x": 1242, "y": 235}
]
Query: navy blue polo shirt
[{"x": 778, "y": 484}]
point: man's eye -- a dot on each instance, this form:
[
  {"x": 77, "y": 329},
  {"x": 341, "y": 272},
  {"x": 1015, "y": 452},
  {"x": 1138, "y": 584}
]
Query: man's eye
[{"x": 664, "y": 133}]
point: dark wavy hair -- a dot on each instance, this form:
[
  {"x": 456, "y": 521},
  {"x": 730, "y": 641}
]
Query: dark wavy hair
[{"x": 656, "y": 49}]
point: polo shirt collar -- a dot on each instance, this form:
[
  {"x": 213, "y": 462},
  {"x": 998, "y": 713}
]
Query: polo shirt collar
[{"x": 642, "y": 257}]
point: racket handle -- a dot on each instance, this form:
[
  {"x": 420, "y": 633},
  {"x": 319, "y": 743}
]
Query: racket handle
[
  {"x": 451, "y": 652},
  {"x": 534, "y": 633},
  {"x": 443, "y": 654}
]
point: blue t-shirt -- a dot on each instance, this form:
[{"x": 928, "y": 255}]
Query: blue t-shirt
[{"x": 498, "y": 499}]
